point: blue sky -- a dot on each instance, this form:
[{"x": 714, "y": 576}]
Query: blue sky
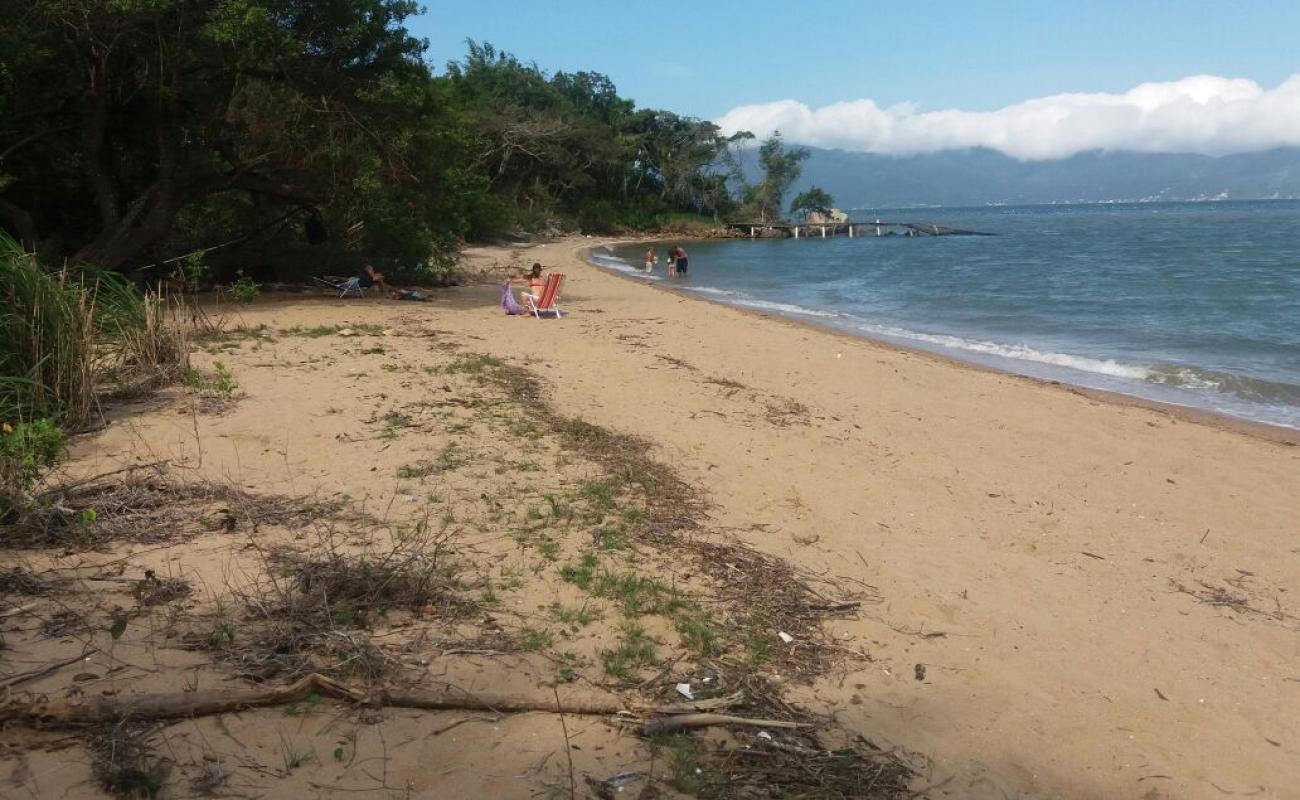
[{"x": 705, "y": 58}]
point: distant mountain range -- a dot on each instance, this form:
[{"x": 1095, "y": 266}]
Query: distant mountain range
[{"x": 987, "y": 177}]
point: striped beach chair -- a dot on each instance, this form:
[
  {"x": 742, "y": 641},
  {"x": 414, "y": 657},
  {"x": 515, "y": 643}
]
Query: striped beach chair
[
  {"x": 346, "y": 287},
  {"x": 547, "y": 303}
]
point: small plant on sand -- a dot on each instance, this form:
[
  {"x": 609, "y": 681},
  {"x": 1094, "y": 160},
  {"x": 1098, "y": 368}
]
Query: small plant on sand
[
  {"x": 244, "y": 289},
  {"x": 535, "y": 639},
  {"x": 573, "y": 617},
  {"x": 602, "y": 494},
  {"x": 635, "y": 650},
  {"x": 452, "y": 457},
  {"x": 310, "y": 333},
  {"x": 567, "y": 672},
  {"x": 27, "y": 451},
  {"x": 472, "y": 365},
  {"x": 682, "y": 756},
  {"x": 221, "y": 383},
  {"x": 580, "y": 574},
  {"x": 549, "y": 548}
]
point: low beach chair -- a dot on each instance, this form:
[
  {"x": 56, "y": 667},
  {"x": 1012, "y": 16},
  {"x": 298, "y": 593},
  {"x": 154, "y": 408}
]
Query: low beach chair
[
  {"x": 346, "y": 287},
  {"x": 546, "y": 304}
]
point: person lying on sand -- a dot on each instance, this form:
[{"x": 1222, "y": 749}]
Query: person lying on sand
[{"x": 371, "y": 277}]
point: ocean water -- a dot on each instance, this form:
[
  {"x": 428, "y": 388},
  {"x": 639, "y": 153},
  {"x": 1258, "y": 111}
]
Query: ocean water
[{"x": 1196, "y": 304}]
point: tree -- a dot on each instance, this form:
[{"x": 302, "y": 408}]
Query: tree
[
  {"x": 139, "y": 114},
  {"x": 814, "y": 199},
  {"x": 781, "y": 168}
]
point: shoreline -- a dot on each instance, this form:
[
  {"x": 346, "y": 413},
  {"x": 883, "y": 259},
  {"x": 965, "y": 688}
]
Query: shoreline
[{"x": 1278, "y": 434}]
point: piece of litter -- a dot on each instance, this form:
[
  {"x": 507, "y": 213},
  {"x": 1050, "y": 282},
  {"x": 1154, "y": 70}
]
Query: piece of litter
[
  {"x": 785, "y": 637},
  {"x": 622, "y": 779},
  {"x": 684, "y": 689},
  {"x": 765, "y": 735}
]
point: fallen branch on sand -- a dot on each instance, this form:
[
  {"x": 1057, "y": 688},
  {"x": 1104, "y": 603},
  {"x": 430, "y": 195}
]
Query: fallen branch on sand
[
  {"x": 102, "y": 709},
  {"x": 682, "y": 722},
  {"x": 113, "y": 708},
  {"x": 31, "y": 675}
]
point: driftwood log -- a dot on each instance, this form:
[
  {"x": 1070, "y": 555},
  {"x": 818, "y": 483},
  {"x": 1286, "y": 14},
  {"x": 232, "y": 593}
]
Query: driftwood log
[
  {"x": 100, "y": 709},
  {"x": 97, "y": 709}
]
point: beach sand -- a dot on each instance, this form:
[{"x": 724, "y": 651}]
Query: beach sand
[
  {"x": 1066, "y": 596},
  {"x": 1103, "y": 594}
]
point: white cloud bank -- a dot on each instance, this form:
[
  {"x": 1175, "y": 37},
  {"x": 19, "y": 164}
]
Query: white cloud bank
[{"x": 1201, "y": 114}]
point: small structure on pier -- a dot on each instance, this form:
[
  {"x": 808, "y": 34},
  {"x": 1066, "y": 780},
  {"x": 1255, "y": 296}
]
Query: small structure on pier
[
  {"x": 825, "y": 216},
  {"x": 823, "y": 228}
]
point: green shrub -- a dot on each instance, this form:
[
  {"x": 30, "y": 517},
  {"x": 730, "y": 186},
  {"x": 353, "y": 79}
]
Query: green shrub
[
  {"x": 46, "y": 341},
  {"x": 27, "y": 451},
  {"x": 244, "y": 289},
  {"x": 63, "y": 334}
]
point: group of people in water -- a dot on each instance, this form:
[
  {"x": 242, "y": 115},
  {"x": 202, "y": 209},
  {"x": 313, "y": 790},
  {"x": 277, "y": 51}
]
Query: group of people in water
[{"x": 674, "y": 261}]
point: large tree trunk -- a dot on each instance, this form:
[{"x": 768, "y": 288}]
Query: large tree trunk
[
  {"x": 149, "y": 217},
  {"x": 21, "y": 222}
]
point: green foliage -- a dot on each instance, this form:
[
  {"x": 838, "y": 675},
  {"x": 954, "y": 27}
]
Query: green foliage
[
  {"x": 27, "y": 451},
  {"x": 635, "y": 650},
  {"x": 64, "y": 334},
  {"x": 681, "y": 754},
  {"x": 781, "y": 167},
  {"x": 290, "y": 137},
  {"x": 536, "y": 639},
  {"x": 221, "y": 383},
  {"x": 580, "y": 574},
  {"x": 244, "y": 289},
  {"x": 814, "y": 199}
]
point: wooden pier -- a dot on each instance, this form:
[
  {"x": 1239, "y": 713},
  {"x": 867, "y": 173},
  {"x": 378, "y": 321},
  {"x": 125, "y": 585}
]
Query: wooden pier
[{"x": 851, "y": 229}]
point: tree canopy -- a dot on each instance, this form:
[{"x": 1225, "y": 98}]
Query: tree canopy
[
  {"x": 814, "y": 199},
  {"x": 287, "y": 135},
  {"x": 781, "y": 167}
]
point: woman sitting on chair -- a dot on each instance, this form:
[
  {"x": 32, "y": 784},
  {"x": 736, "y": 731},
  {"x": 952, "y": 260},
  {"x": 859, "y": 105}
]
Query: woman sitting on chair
[{"x": 535, "y": 282}]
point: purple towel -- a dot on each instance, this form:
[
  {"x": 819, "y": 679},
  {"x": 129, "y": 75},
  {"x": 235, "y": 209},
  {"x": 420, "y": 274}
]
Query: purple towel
[{"x": 508, "y": 301}]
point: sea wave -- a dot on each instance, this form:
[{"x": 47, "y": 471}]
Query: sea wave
[
  {"x": 740, "y": 299},
  {"x": 1016, "y": 352},
  {"x": 785, "y": 308},
  {"x": 622, "y": 265},
  {"x": 1196, "y": 379},
  {"x": 1243, "y": 386}
]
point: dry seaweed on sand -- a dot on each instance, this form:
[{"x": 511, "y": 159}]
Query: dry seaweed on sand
[
  {"x": 149, "y": 505},
  {"x": 313, "y": 611},
  {"x": 21, "y": 581},
  {"x": 797, "y": 764}
]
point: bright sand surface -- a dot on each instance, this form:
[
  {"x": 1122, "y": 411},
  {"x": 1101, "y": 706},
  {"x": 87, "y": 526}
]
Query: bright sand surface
[
  {"x": 1102, "y": 595},
  {"x": 1042, "y": 552}
]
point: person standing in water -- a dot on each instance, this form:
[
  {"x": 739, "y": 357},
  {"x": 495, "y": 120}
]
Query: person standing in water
[
  {"x": 670, "y": 262},
  {"x": 650, "y": 259},
  {"x": 680, "y": 254}
]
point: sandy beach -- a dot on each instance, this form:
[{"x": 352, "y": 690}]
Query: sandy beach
[
  {"x": 1062, "y": 595},
  {"x": 1101, "y": 593}
]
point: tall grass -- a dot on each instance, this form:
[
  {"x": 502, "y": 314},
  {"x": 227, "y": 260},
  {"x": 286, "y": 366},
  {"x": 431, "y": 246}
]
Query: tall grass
[{"x": 66, "y": 335}]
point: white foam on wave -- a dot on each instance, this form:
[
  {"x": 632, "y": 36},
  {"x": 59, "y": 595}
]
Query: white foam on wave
[
  {"x": 711, "y": 291},
  {"x": 741, "y": 299},
  {"x": 1016, "y": 352},
  {"x": 623, "y": 265},
  {"x": 785, "y": 308}
]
